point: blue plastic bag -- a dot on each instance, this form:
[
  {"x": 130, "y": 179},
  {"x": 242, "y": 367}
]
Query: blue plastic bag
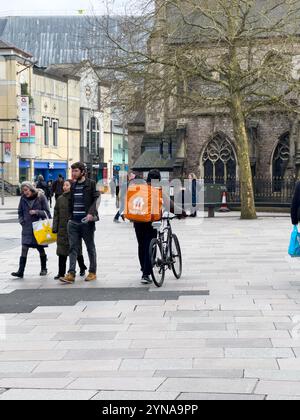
[{"x": 294, "y": 248}]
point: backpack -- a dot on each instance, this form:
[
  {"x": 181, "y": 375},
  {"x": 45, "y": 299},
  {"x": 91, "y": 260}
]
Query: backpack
[{"x": 143, "y": 203}]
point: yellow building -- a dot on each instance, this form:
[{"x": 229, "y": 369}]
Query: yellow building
[{"x": 51, "y": 118}]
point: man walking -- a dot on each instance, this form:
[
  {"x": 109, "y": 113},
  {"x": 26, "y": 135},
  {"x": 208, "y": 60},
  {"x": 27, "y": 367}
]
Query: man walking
[
  {"x": 58, "y": 187},
  {"x": 84, "y": 204}
]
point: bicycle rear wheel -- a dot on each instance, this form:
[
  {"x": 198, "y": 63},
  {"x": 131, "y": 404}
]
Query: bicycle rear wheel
[
  {"x": 157, "y": 262},
  {"x": 176, "y": 257}
]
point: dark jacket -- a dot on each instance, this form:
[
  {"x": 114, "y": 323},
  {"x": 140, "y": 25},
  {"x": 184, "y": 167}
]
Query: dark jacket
[
  {"x": 91, "y": 198},
  {"x": 295, "y": 208},
  {"x": 43, "y": 186},
  {"x": 57, "y": 188},
  {"x": 40, "y": 204},
  {"x": 60, "y": 223}
]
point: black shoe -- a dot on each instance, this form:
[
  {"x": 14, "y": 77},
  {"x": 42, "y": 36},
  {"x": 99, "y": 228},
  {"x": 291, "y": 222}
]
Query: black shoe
[
  {"x": 58, "y": 276},
  {"x": 146, "y": 280},
  {"x": 116, "y": 221},
  {"x": 22, "y": 265},
  {"x": 44, "y": 273},
  {"x": 18, "y": 274},
  {"x": 82, "y": 266}
]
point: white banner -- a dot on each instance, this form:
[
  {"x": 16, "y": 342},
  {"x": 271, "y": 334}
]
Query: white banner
[
  {"x": 7, "y": 152},
  {"x": 24, "y": 116}
]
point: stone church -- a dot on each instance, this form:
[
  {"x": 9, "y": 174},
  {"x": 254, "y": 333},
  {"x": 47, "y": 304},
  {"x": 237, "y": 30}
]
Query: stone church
[{"x": 203, "y": 143}]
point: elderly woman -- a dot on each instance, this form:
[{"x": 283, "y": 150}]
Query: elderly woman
[
  {"x": 60, "y": 226},
  {"x": 33, "y": 207}
]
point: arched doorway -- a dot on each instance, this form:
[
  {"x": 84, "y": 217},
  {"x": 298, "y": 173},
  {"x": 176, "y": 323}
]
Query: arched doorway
[
  {"x": 280, "y": 161},
  {"x": 219, "y": 161}
]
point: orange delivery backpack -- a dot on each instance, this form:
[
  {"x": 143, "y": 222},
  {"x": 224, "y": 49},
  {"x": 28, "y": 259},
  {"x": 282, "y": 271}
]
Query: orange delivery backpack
[{"x": 143, "y": 203}]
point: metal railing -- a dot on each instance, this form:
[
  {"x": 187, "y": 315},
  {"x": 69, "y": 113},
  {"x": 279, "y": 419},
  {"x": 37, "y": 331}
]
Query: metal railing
[{"x": 268, "y": 191}]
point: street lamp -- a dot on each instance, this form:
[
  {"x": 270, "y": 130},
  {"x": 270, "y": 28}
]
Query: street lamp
[{"x": 2, "y": 144}]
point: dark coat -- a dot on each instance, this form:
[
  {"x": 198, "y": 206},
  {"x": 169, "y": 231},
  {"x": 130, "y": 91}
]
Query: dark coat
[
  {"x": 43, "y": 186},
  {"x": 60, "y": 223},
  {"x": 90, "y": 197},
  {"x": 295, "y": 208},
  {"x": 57, "y": 188},
  {"x": 40, "y": 204}
]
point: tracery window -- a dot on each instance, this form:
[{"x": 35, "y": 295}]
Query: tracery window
[{"x": 219, "y": 161}]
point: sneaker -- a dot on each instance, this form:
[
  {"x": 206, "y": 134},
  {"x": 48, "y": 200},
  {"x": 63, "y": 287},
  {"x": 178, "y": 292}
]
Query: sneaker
[
  {"x": 91, "y": 277},
  {"x": 82, "y": 273},
  {"x": 57, "y": 277},
  {"x": 116, "y": 221},
  {"x": 146, "y": 280},
  {"x": 68, "y": 279}
]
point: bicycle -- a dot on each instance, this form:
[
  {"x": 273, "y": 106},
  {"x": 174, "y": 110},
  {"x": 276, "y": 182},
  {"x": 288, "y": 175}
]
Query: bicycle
[{"x": 165, "y": 252}]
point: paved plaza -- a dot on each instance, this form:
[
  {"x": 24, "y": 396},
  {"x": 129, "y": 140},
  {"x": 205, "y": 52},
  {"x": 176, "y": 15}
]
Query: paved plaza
[{"x": 227, "y": 330}]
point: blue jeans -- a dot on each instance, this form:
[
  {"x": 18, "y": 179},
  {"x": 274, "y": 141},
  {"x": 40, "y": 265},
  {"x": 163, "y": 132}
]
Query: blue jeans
[{"x": 78, "y": 232}]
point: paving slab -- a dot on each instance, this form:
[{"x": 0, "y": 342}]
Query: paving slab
[
  {"x": 208, "y": 385},
  {"x": 290, "y": 388},
  {"x": 46, "y": 394},
  {"x": 118, "y": 384},
  {"x": 135, "y": 396},
  {"x": 218, "y": 397},
  {"x": 74, "y": 366}
]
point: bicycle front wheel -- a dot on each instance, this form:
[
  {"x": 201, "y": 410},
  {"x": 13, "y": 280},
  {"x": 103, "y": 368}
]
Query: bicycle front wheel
[
  {"x": 157, "y": 262},
  {"x": 176, "y": 257}
]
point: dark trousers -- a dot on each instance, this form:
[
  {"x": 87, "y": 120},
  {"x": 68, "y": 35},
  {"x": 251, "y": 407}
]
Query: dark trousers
[
  {"x": 78, "y": 232},
  {"x": 40, "y": 249},
  {"x": 145, "y": 233},
  {"x": 62, "y": 264}
]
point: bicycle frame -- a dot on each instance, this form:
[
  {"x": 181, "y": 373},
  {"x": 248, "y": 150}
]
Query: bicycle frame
[{"x": 165, "y": 236}]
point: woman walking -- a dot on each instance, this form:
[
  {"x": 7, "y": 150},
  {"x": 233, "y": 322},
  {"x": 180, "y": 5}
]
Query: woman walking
[
  {"x": 33, "y": 207},
  {"x": 60, "y": 226}
]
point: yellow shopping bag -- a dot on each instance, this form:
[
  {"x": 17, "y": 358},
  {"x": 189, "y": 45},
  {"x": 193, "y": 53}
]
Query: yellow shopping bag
[{"x": 43, "y": 233}]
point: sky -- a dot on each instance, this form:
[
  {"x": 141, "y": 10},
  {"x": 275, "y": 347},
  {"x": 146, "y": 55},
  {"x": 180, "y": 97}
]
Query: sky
[{"x": 59, "y": 7}]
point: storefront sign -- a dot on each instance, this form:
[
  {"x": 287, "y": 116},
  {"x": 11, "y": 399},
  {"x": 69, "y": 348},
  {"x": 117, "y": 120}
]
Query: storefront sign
[
  {"x": 24, "y": 116},
  {"x": 31, "y": 138},
  {"x": 7, "y": 152}
]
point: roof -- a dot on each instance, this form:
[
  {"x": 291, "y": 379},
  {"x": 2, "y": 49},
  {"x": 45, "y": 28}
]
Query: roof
[
  {"x": 60, "y": 39},
  {"x": 151, "y": 159},
  {"x": 8, "y": 46}
]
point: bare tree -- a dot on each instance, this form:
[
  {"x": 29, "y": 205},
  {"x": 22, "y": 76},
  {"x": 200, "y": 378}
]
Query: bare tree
[{"x": 238, "y": 57}]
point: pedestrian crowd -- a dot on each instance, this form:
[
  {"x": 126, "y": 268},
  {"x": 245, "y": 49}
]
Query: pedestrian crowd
[{"x": 74, "y": 222}]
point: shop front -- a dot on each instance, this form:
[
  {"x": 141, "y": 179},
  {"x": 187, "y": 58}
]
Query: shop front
[
  {"x": 24, "y": 170},
  {"x": 50, "y": 170}
]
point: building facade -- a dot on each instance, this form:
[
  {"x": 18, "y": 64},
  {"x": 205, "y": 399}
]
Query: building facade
[
  {"x": 67, "y": 120},
  {"x": 180, "y": 140}
]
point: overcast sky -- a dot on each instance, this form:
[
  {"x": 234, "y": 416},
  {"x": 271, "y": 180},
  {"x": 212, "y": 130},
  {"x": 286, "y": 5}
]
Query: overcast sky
[{"x": 58, "y": 7}]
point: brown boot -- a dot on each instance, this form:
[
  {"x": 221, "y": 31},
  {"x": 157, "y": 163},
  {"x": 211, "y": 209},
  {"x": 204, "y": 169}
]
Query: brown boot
[
  {"x": 91, "y": 277},
  {"x": 68, "y": 279}
]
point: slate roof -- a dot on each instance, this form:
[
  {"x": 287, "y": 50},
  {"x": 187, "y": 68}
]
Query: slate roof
[
  {"x": 58, "y": 39},
  {"x": 151, "y": 159}
]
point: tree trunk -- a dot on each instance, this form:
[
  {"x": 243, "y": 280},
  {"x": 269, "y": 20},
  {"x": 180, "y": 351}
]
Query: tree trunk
[{"x": 245, "y": 175}]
